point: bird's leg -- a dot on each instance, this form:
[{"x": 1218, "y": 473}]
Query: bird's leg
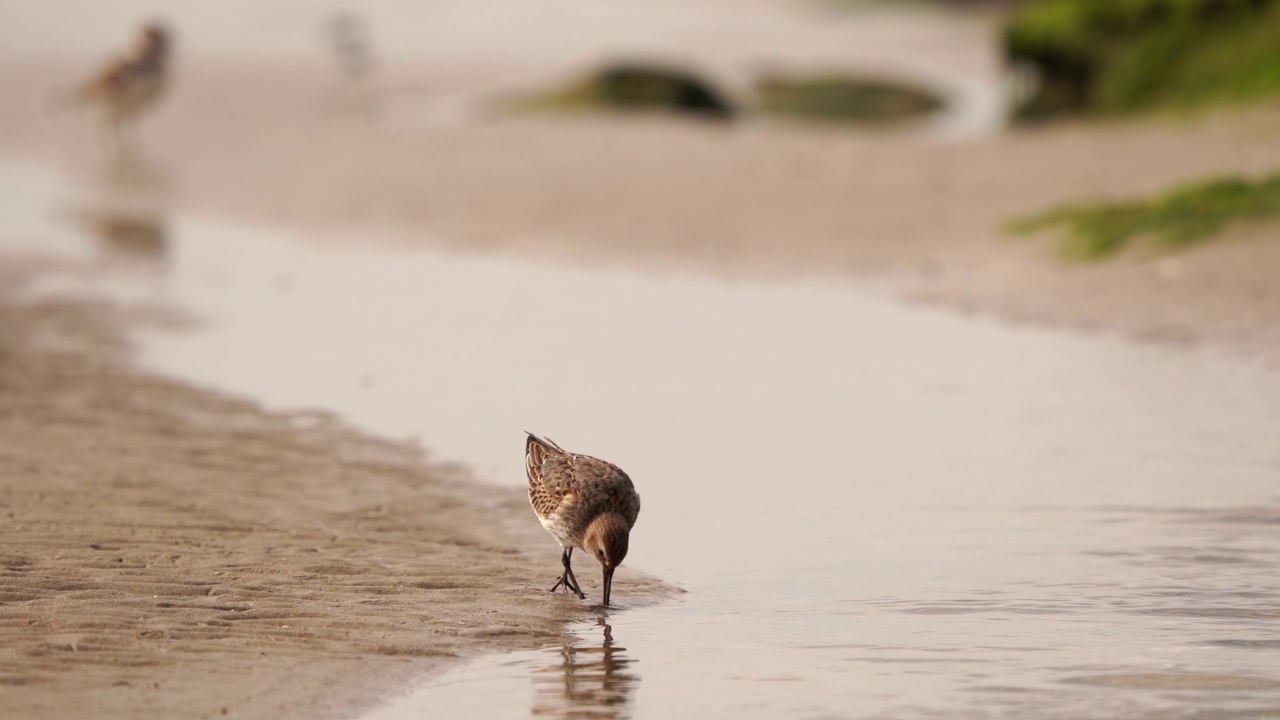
[
  {"x": 569, "y": 582},
  {"x": 573, "y": 581},
  {"x": 122, "y": 145},
  {"x": 105, "y": 140},
  {"x": 130, "y": 144},
  {"x": 564, "y": 577}
]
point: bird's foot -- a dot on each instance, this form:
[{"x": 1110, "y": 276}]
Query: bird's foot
[{"x": 569, "y": 586}]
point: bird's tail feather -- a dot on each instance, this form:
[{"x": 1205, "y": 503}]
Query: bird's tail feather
[
  {"x": 545, "y": 443},
  {"x": 536, "y": 450}
]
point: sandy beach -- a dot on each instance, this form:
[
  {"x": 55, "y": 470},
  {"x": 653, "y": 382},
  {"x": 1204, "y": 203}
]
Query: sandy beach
[
  {"x": 174, "y": 552},
  {"x": 170, "y": 552}
]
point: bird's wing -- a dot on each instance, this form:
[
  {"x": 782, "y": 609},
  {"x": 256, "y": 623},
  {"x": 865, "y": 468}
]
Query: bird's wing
[
  {"x": 552, "y": 475},
  {"x": 613, "y": 489}
]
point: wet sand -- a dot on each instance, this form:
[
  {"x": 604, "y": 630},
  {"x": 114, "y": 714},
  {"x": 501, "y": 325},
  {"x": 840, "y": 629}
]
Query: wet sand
[
  {"x": 965, "y": 506},
  {"x": 171, "y": 552}
]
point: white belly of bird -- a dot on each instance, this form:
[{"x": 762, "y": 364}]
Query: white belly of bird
[{"x": 559, "y": 530}]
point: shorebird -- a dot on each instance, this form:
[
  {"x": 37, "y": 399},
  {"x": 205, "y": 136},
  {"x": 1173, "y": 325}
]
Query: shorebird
[
  {"x": 349, "y": 38},
  {"x": 585, "y": 503},
  {"x": 131, "y": 84}
]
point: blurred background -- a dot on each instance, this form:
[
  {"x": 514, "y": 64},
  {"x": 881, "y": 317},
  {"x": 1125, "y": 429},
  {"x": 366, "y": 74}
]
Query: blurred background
[
  {"x": 679, "y": 235},
  {"x": 911, "y": 140}
]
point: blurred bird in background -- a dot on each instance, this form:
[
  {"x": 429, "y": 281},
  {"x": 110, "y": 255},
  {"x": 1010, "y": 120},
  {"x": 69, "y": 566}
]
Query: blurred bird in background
[
  {"x": 127, "y": 86},
  {"x": 349, "y": 37}
]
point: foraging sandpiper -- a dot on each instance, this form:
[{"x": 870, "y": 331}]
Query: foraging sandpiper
[{"x": 585, "y": 503}]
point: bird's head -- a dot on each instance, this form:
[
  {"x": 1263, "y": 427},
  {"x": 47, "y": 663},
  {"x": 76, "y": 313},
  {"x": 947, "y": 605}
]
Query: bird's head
[
  {"x": 606, "y": 539},
  {"x": 156, "y": 37}
]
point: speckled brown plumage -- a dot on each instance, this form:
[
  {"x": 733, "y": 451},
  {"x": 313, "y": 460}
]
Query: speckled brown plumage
[{"x": 584, "y": 502}]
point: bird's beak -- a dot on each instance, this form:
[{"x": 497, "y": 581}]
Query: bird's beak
[{"x": 608, "y": 584}]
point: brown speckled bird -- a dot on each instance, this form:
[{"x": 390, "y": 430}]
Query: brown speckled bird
[
  {"x": 585, "y": 503},
  {"x": 131, "y": 84}
]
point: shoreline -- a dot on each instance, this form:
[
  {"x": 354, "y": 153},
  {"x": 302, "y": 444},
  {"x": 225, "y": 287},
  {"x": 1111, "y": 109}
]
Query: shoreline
[
  {"x": 918, "y": 215},
  {"x": 199, "y": 556}
]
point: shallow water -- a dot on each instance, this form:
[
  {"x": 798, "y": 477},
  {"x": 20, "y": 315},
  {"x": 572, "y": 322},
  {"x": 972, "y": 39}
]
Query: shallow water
[{"x": 876, "y": 510}]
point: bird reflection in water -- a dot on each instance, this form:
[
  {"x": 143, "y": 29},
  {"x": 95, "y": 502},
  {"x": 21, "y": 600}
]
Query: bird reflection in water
[
  {"x": 586, "y": 681},
  {"x": 127, "y": 212},
  {"x": 138, "y": 235},
  {"x": 127, "y": 233}
]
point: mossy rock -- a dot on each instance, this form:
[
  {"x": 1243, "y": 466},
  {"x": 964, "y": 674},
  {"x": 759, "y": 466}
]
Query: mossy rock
[
  {"x": 827, "y": 97},
  {"x": 1108, "y": 57},
  {"x": 634, "y": 87},
  {"x": 844, "y": 98}
]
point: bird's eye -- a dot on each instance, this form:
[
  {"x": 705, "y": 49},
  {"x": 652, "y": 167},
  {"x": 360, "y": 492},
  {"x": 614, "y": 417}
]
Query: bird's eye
[{"x": 600, "y": 554}]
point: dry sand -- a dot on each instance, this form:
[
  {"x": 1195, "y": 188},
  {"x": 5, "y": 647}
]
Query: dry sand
[{"x": 169, "y": 552}]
